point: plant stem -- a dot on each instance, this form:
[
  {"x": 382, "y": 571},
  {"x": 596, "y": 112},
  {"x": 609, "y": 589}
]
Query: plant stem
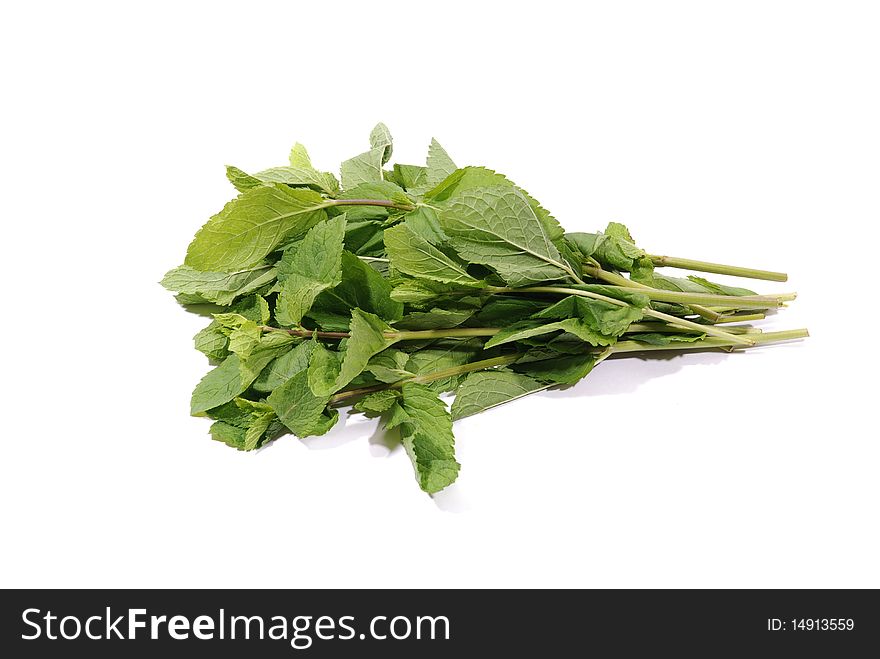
[
  {"x": 672, "y": 320},
  {"x": 711, "y": 342},
  {"x": 717, "y": 268},
  {"x": 732, "y": 301},
  {"x": 384, "y": 203},
  {"x": 741, "y": 318},
  {"x": 504, "y": 360},
  {"x": 402, "y": 335},
  {"x": 374, "y": 258},
  {"x": 664, "y": 328},
  {"x": 620, "y": 280}
]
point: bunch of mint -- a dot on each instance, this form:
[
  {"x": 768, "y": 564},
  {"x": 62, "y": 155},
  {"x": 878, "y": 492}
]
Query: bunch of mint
[{"x": 392, "y": 285}]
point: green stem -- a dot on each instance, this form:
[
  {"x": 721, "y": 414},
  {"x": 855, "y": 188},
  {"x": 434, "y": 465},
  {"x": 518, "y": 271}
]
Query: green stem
[
  {"x": 384, "y": 203},
  {"x": 711, "y": 342},
  {"x": 620, "y": 280},
  {"x": 741, "y": 318},
  {"x": 664, "y": 328},
  {"x": 717, "y": 268},
  {"x": 731, "y": 301},
  {"x": 402, "y": 335},
  {"x": 504, "y": 360},
  {"x": 672, "y": 320}
]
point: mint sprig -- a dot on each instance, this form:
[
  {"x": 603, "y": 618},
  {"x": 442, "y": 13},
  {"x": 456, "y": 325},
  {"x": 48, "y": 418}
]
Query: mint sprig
[{"x": 393, "y": 284}]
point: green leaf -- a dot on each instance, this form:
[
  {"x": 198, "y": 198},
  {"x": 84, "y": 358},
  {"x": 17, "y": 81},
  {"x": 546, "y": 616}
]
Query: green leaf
[
  {"x": 426, "y": 432},
  {"x": 212, "y": 342},
  {"x": 441, "y": 355},
  {"x": 376, "y": 403},
  {"x": 242, "y": 424},
  {"x": 506, "y": 310},
  {"x": 486, "y": 389},
  {"x": 526, "y": 329},
  {"x": 439, "y": 163},
  {"x": 410, "y": 177},
  {"x": 415, "y": 256},
  {"x": 436, "y": 318},
  {"x": 380, "y": 138},
  {"x": 219, "y": 287},
  {"x": 299, "y": 177},
  {"x": 240, "y": 180},
  {"x": 604, "y": 317},
  {"x": 567, "y": 369},
  {"x": 299, "y": 409},
  {"x": 497, "y": 227},
  {"x": 281, "y": 369},
  {"x": 361, "y": 288},
  {"x": 658, "y": 339},
  {"x": 252, "y": 225},
  {"x": 363, "y": 168},
  {"x": 219, "y": 386},
  {"x": 367, "y": 339},
  {"x": 314, "y": 267},
  {"x": 424, "y": 223},
  {"x": 470, "y": 178},
  {"x": 720, "y": 289},
  {"x": 299, "y": 173},
  {"x": 389, "y": 366}
]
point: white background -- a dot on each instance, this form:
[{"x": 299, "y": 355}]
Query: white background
[{"x": 734, "y": 132}]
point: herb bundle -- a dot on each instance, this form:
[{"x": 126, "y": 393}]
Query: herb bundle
[{"x": 394, "y": 284}]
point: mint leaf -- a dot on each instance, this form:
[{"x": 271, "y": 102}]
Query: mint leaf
[
  {"x": 497, "y": 227},
  {"x": 380, "y": 138},
  {"x": 314, "y": 267},
  {"x": 367, "y": 339},
  {"x": 361, "y": 288},
  {"x": 219, "y": 386},
  {"x": 219, "y": 287},
  {"x": 426, "y": 432},
  {"x": 415, "y": 256},
  {"x": 252, "y": 225},
  {"x": 484, "y": 390},
  {"x": 363, "y": 168},
  {"x": 282, "y": 368},
  {"x": 439, "y": 164},
  {"x": 300, "y": 410}
]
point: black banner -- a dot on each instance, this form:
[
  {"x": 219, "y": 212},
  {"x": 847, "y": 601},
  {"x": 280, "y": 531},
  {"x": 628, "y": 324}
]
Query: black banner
[{"x": 333, "y": 623}]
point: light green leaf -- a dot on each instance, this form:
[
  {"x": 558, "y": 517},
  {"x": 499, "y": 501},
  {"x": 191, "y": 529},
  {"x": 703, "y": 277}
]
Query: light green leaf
[
  {"x": 281, "y": 369},
  {"x": 443, "y": 354},
  {"x": 314, "y": 267},
  {"x": 658, "y": 339},
  {"x": 240, "y": 180},
  {"x": 367, "y": 338},
  {"x": 300, "y": 176},
  {"x": 380, "y": 138},
  {"x": 486, "y": 389},
  {"x": 219, "y": 386},
  {"x": 526, "y": 329},
  {"x": 415, "y": 256},
  {"x": 604, "y": 317},
  {"x": 410, "y": 177},
  {"x": 497, "y": 227},
  {"x": 212, "y": 342},
  {"x": 426, "y": 433},
  {"x": 378, "y": 402},
  {"x": 219, "y": 287},
  {"x": 252, "y": 225},
  {"x": 299, "y": 409},
  {"x": 363, "y": 168},
  {"x": 439, "y": 163},
  {"x": 469, "y": 178}
]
